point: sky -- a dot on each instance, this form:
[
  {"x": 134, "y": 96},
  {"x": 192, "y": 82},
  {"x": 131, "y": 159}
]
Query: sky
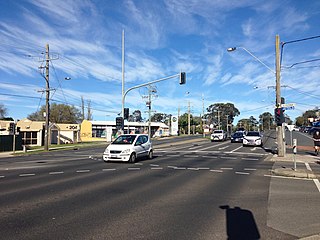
[{"x": 161, "y": 38}]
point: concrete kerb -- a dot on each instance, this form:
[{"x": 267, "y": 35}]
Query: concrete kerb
[{"x": 290, "y": 172}]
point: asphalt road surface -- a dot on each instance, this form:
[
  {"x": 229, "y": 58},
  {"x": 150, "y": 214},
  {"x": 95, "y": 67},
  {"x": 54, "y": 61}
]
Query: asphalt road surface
[{"x": 192, "y": 189}]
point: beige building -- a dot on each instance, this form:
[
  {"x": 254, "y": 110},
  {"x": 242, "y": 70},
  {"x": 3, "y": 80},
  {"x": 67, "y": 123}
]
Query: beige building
[{"x": 33, "y": 132}]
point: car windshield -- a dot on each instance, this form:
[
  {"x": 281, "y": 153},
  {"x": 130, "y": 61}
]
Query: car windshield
[
  {"x": 217, "y": 131},
  {"x": 238, "y": 134},
  {"x": 253, "y": 134},
  {"x": 125, "y": 139}
]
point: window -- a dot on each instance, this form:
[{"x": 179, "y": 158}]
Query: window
[{"x": 29, "y": 138}]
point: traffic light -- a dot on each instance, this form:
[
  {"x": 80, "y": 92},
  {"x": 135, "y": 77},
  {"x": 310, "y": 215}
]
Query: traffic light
[
  {"x": 126, "y": 113},
  {"x": 182, "y": 78},
  {"x": 11, "y": 127},
  {"x": 279, "y": 116},
  {"x": 119, "y": 123}
]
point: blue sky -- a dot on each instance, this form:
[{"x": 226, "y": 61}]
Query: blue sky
[{"x": 162, "y": 38}]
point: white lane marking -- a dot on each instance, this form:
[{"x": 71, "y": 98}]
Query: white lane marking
[
  {"x": 27, "y": 175},
  {"x": 250, "y": 169},
  {"x": 2, "y": 176},
  {"x": 203, "y": 168},
  {"x": 229, "y": 158},
  {"x": 194, "y": 147},
  {"x": 236, "y": 149},
  {"x": 295, "y": 178},
  {"x": 140, "y": 164},
  {"x": 213, "y": 170},
  {"x": 154, "y": 165},
  {"x": 223, "y": 147},
  {"x": 109, "y": 169},
  {"x": 317, "y": 183},
  {"x": 253, "y": 149},
  {"x": 177, "y": 155},
  {"x": 226, "y": 168},
  {"x": 172, "y": 167},
  {"x": 250, "y": 159},
  {"x": 194, "y": 169},
  {"x": 190, "y": 156},
  {"x": 308, "y": 166},
  {"x": 55, "y": 173},
  {"x": 209, "y": 156},
  {"x": 133, "y": 169},
  {"x": 83, "y": 171},
  {"x": 156, "y": 168},
  {"x": 180, "y": 168},
  {"x": 212, "y": 146},
  {"x": 242, "y": 173}
]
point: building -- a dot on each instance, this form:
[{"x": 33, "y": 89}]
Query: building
[
  {"x": 106, "y": 130},
  {"x": 33, "y": 132}
]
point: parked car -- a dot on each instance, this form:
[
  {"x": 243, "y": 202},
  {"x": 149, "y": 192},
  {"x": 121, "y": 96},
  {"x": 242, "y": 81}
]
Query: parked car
[
  {"x": 128, "y": 148},
  {"x": 237, "y": 137},
  {"x": 218, "y": 135},
  {"x": 252, "y": 138}
]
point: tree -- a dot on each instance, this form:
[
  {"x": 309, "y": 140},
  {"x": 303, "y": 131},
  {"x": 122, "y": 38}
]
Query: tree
[
  {"x": 304, "y": 119},
  {"x": 266, "y": 120},
  {"x": 3, "y": 111},
  {"x": 159, "y": 117},
  {"x": 221, "y": 114},
  {"x": 135, "y": 116},
  {"x": 59, "y": 113}
]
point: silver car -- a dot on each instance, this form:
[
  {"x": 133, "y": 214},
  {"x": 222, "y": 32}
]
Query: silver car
[{"x": 128, "y": 148}]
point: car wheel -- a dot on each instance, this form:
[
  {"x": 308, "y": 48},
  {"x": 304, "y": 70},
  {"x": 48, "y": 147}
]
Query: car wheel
[
  {"x": 150, "y": 154},
  {"x": 132, "y": 158}
]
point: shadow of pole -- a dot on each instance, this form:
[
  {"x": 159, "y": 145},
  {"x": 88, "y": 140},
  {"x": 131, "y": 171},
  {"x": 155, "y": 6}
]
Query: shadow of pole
[{"x": 240, "y": 224}]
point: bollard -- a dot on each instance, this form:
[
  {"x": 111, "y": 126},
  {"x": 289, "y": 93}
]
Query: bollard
[{"x": 294, "y": 149}]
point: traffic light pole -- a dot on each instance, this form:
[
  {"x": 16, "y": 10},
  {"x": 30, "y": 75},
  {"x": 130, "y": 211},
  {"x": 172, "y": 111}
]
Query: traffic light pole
[
  {"x": 181, "y": 74},
  {"x": 280, "y": 129}
]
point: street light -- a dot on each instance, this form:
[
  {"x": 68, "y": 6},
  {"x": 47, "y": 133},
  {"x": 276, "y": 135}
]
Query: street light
[
  {"x": 232, "y": 49},
  {"x": 280, "y": 140}
]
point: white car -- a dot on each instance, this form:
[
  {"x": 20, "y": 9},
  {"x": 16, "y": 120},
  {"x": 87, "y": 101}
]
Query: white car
[
  {"x": 252, "y": 138},
  {"x": 218, "y": 135},
  {"x": 128, "y": 148}
]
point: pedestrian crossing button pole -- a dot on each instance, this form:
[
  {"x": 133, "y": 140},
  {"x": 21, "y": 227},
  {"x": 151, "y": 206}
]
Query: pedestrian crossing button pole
[{"x": 294, "y": 148}]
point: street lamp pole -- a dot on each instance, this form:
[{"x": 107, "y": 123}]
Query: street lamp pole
[{"x": 280, "y": 131}]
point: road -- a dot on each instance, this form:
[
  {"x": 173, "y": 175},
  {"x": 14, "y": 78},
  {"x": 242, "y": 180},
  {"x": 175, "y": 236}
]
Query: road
[{"x": 192, "y": 189}]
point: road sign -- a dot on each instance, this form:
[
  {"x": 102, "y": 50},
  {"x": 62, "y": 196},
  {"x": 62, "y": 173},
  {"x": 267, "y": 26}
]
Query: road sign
[
  {"x": 285, "y": 105},
  {"x": 288, "y": 108}
]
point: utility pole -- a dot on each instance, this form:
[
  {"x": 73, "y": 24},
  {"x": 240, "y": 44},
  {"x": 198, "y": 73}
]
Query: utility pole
[
  {"x": 46, "y": 139},
  {"x": 218, "y": 119},
  {"x": 202, "y": 119},
  {"x": 280, "y": 131},
  {"x": 122, "y": 63},
  {"x": 188, "y": 117},
  {"x": 178, "y": 119}
]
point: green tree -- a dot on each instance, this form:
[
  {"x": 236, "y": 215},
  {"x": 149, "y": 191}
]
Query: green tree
[
  {"x": 160, "y": 117},
  {"x": 135, "y": 116},
  {"x": 3, "y": 111},
  {"x": 221, "y": 113},
  {"x": 303, "y": 120},
  {"x": 266, "y": 120},
  {"x": 59, "y": 113}
]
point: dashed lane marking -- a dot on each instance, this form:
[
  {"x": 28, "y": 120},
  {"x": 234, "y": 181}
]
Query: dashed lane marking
[
  {"x": 154, "y": 165},
  {"x": 213, "y": 170},
  {"x": 250, "y": 169},
  {"x": 138, "y": 164},
  {"x": 156, "y": 168},
  {"x": 133, "y": 169},
  {"x": 242, "y": 173},
  {"x": 55, "y": 173},
  {"x": 83, "y": 171},
  {"x": 2, "y": 176},
  {"x": 108, "y": 169},
  {"x": 226, "y": 168},
  {"x": 180, "y": 168},
  {"x": 308, "y": 166},
  {"x": 27, "y": 175},
  {"x": 250, "y": 159},
  {"x": 194, "y": 169},
  {"x": 233, "y": 158}
]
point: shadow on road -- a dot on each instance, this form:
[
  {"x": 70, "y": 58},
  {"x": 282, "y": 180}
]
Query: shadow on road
[{"x": 240, "y": 224}]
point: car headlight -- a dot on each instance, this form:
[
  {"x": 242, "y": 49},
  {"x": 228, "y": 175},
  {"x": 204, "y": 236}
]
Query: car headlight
[
  {"x": 259, "y": 139},
  {"x": 126, "y": 151},
  {"x": 106, "y": 151}
]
